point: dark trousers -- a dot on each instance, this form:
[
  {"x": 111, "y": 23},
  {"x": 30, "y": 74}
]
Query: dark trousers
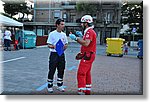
[
  {"x": 56, "y": 61},
  {"x": 7, "y": 44}
]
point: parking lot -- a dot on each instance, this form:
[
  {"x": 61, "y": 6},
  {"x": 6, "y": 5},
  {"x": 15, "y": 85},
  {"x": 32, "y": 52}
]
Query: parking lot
[{"x": 25, "y": 72}]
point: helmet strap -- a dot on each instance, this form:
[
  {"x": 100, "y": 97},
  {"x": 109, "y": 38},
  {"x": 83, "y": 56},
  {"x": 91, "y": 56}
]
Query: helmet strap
[
  {"x": 90, "y": 24},
  {"x": 84, "y": 27}
]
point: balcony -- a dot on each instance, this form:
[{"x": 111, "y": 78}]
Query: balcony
[{"x": 68, "y": 6}]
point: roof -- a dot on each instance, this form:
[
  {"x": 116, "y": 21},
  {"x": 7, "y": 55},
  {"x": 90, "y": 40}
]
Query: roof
[{"x": 6, "y": 21}]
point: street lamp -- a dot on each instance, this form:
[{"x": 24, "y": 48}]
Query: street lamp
[{"x": 133, "y": 32}]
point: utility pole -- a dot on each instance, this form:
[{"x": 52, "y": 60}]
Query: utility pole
[
  {"x": 103, "y": 33},
  {"x": 106, "y": 21}
]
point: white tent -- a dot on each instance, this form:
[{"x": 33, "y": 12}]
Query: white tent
[{"x": 6, "y": 21}]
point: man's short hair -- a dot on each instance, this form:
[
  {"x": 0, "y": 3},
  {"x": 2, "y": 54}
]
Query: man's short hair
[{"x": 58, "y": 21}]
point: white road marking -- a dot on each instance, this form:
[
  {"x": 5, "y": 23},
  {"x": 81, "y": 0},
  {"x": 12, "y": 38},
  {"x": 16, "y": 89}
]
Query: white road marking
[{"x": 12, "y": 59}]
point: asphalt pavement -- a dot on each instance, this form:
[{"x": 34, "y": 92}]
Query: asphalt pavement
[{"x": 25, "y": 72}]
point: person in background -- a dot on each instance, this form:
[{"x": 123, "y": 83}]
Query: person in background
[
  {"x": 126, "y": 48},
  {"x": 7, "y": 40},
  {"x": 55, "y": 60},
  {"x": 86, "y": 55}
]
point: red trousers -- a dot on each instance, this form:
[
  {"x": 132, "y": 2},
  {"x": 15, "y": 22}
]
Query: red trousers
[{"x": 84, "y": 73}]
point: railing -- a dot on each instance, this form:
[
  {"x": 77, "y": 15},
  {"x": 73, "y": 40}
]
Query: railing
[{"x": 68, "y": 6}]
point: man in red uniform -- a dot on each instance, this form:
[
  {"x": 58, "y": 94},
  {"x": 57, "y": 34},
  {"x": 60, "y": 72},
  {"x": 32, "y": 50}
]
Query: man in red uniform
[{"x": 87, "y": 54}]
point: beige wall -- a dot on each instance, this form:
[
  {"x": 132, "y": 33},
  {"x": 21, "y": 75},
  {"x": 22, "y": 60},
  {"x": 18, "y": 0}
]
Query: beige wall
[
  {"x": 42, "y": 15},
  {"x": 46, "y": 11}
]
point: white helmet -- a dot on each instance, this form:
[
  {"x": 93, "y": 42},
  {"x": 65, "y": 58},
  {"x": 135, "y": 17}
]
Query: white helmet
[{"x": 87, "y": 18}]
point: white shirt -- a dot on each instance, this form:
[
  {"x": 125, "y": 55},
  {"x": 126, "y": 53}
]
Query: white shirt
[
  {"x": 54, "y": 37},
  {"x": 7, "y": 35}
]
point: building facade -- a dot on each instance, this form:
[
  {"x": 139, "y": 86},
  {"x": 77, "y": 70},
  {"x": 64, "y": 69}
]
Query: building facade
[{"x": 46, "y": 12}]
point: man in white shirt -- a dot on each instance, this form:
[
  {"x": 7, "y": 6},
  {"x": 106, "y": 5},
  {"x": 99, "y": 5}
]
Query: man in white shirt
[
  {"x": 56, "y": 60},
  {"x": 7, "y": 40}
]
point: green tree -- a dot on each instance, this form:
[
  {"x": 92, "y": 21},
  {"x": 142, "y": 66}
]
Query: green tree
[
  {"x": 13, "y": 7},
  {"x": 132, "y": 13},
  {"x": 89, "y": 8}
]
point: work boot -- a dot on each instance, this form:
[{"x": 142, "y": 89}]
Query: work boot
[
  {"x": 81, "y": 91},
  {"x": 88, "y": 89}
]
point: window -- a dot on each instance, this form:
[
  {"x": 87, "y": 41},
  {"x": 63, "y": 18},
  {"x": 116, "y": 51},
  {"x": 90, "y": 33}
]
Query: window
[
  {"x": 108, "y": 17},
  {"x": 57, "y": 14},
  {"x": 40, "y": 31}
]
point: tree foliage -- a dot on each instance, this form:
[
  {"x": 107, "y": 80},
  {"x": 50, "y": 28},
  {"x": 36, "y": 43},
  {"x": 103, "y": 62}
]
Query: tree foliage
[
  {"x": 132, "y": 13},
  {"x": 13, "y": 7},
  {"x": 89, "y": 8}
]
